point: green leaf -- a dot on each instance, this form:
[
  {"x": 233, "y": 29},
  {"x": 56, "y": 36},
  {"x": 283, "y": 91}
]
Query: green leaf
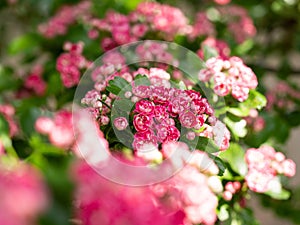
[
  {"x": 207, "y": 145},
  {"x": 209, "y": 52},
  {"x": 223, "y": 213},
  {"x": 55, "y": 85},
  {"x": 116, "y": 85},
  {"x": 255, "y": 100},
  {"x": 7, "y": 81},
  {"x": 4, "y": 127},
  {"x": 220, "y": 163},
  {"x": 235, "y": 156},
  {"x": 24, "y": 43},
  {"x": 283, "y": 195},
  {"x": 43, "y": 147},
  {"x": 141, "y": 80},
  {"x": 239, "y": 111},
  {"x": 237, "y": 126}
]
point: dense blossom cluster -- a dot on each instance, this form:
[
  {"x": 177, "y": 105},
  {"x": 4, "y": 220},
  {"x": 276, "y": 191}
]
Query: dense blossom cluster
[
  {"x": 202, "y": 26},
  {"x": 59, "y": 129},
  {"x": 34, "y": 83},
  {"x": 238, "y": 21},
  {"x": 192, "y": 189},
  {"x": 155, "y": 114},
  {"x": 283, "y": 95},
  {"x": 101, "y": 200},
  {"x": 255, "y": 121},
  {"x": 187, "y": 198},
  {"x": 231, "y": 188},
  {"x": 23, "y": 194},
  {"x": 264, "y": 164},
  {"x": 220, "y": 46},
  {"x": 148, "y": 18},
  {"x": 70, "y": 63},
  {"x": 230, "y": 76},
  {"x": 66, "y": 16}
]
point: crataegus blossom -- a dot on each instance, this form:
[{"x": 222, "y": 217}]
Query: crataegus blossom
[
  {"x": 23, "y": 194},
  {"x": 222, "y": 2},
  {"x": 70, "y": 63},
  {"x": 121, "y": 123},
  {"x": 64, "y": 17},
  {"x": 59, "y": 129},
  {"x": 100, "y": 200},
  {"x": 230, "y": 76},
  {"x": 264, "y": 164}
]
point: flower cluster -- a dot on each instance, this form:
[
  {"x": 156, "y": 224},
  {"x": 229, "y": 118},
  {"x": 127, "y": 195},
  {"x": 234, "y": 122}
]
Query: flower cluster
[
  {"x": 101, "y": 200},
  {"x": 229, "y": 76},
  {"x": 156, "y": 112},
  {"x": 219, "y": 45},
  {"x": 202, "y": 27},
  {"x": 155, "y": 52},
  {"x": 70, "y": 63},
  {"x": 34, "y": 82},
  {"x": 164, "y": 18},
  {"x": 255, "y": 121},
  {"x": 230, "y": 189},
  {"x": 192, "y": 189},
  {"x": 22, "y": 183},
  {"x": 59, "y": 129},
  {"x": 238, "y": 21},
  {"x": 264, "y": 164},
  {"x": 66, "y": 16},
  {"x": 167, "y": 20},
  {"x": 283, "y": 95}
]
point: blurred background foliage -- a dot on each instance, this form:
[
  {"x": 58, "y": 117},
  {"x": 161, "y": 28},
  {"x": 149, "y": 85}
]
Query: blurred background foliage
[{"x": 275, "y": 51}]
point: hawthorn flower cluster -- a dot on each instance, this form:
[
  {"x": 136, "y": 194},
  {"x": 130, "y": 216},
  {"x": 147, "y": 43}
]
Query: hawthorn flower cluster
[
  {"x": 193, "y": 189},
  {"x": 283, "y": 95},
  {"x": 219, "y": 45},
  {"x": 264, "y": 164},
  {"x": 238, "y": 21},
  {"x": 231, "y": 188},
  {"x": 230, "y": 76},
  {"x": 23, "y": 183},
  {"x": 66, "y": 16},
  {"x": 156, "y": 112},
  {"x": 34, "y": 82},
  {"x": 59, "y": 129},
  {"x": 70, "y": 63}
]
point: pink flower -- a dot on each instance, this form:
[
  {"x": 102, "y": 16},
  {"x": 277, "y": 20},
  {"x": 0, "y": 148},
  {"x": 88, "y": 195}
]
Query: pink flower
[
  {"x": 229, "y": 76},
  {"x": 144, "y": 106},
  {"x": 264, "y": 164},
  {"x": 142, "y": 122},
  {"x": 69, "y": 64},
  {"x": 35, "y": 83},
  {"x": 96, "y": 197},
  {"x": 222, "y": 2},
  {"x": 139, "y": 30},
  {"x": 44, "y": 125},
  {"x": 121, "y": 123},
  {"x": 141, "y": 91},
  {"x": 289, "y": 168},
  {"x": 59, "y": 129},
  {"x": 22, "y": 182},
  {"x": 188, "y": 119}
]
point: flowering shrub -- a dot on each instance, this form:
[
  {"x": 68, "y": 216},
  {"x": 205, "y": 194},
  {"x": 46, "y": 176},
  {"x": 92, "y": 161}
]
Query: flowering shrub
[{"x": 152, "y": 132}]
